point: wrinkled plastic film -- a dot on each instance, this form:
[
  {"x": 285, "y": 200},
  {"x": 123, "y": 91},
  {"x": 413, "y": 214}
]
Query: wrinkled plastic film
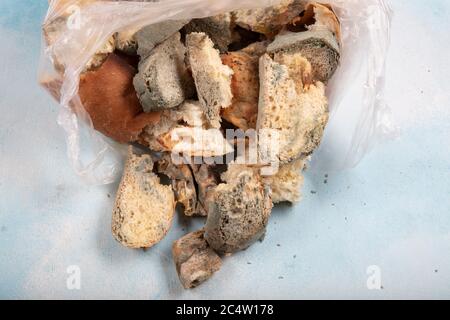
[
  {"x": 354, "y": 128},
  {"x": 360, "y": 118}
]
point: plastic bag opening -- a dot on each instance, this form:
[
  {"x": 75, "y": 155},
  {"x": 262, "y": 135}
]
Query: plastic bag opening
[{"x": 359, "y": 116}]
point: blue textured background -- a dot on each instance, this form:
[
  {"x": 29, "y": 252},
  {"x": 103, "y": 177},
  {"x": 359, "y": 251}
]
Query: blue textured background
[{"x": 393, "y": 210}]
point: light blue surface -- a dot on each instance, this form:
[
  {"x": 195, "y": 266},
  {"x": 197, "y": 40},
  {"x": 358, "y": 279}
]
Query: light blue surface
[{"x": 392, "y": 211}]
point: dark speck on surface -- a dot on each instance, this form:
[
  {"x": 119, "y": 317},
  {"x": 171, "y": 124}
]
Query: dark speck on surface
[
  {"x": 436, "y": 271},
  {"x": 325, "y": 181},
  {"x": 313, "y": 192},
  {"x": 326, "y": 175},
  {"x": 249, "y": 262},
  {"x": 333, "y": 205},
  {"x": 295, "y": 256},
  {"x": 280, "y": 277},
  {"x": 278, "y": 245},
  {"x": 109, "y": 196}
]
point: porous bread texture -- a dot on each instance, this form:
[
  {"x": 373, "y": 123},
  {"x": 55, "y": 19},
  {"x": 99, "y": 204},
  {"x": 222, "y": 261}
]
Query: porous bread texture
[
  {"x": 239, "y": 213},
  {"x": 144, "y": 208},
  {"x": 212, "y": 78},
  {"x": 243, "y": 111},
  {"x": 299, "y": 68},
  {"x": 183, "y": 182},
  {"x": 194, "y": 259},
  {"x": 150, "y": 36},
  {"x": 319, "y": 43},
  {"x": 163, "y": 81},
  {"x": 318, "y": 46},
  {"x": 107, "y": 94},
  {"x": 218, "y": 28},
  {"x": 297, "y": 114},
  {"x": 183, "y": 131},
  {"x": 269, "y": 21},
  {"x": 286, "y": 184}
]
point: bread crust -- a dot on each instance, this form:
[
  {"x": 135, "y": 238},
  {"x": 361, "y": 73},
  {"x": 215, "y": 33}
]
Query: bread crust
[
  {"x": 319, "y": 46},
  {"x": 243, "y": 111},
  {"x": 316, "y": 35},
  {"x": 298, "y": 113},
  {"x": 150, "y": 36},
  {"x": 212, "y": 78},
  {"x": 144, "y": 208},
  {"x": 163, "y": 81},
  {"x": 194, "y": 259},
  {"x": 108, "y": 96},
  {"x": 269, "y": 21},
  {"x": 218, "y": 28},
  {"x": 240, "y": 212}
]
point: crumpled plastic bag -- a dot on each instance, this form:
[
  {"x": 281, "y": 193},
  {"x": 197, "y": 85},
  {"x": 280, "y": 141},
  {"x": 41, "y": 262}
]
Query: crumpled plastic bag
[{"x": 359, "y": 116}]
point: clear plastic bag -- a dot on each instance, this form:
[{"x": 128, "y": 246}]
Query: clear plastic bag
[{"x": 359, "y": 116}]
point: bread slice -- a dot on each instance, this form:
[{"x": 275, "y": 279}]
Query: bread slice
[
  {"x": 243, "y": 111},
  {"x": 144, "y": 208},
  {"x": 163, "y": 81},
  {"x": 158, "y": 137},
  {"x": 183, "y": 182},
  {"x": 297, "y": 113},
  {"x": 319, "y": 46},
  {"x": 299, "y": 68},
  {"x": 316, "y": 34},
  {"x": 195, "y": 261},
  {"x": 108, "y": 96},
  {"x": 212, "y": 78},
  {"x": 239, "y": 214},
  {"x": 269, "y": 21},
  {"x": 183, "y": 131},
  {"x": 287, "y": 183},
  {"x": 150, "y": 36},
  {"x": 218, "y": 28}
]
